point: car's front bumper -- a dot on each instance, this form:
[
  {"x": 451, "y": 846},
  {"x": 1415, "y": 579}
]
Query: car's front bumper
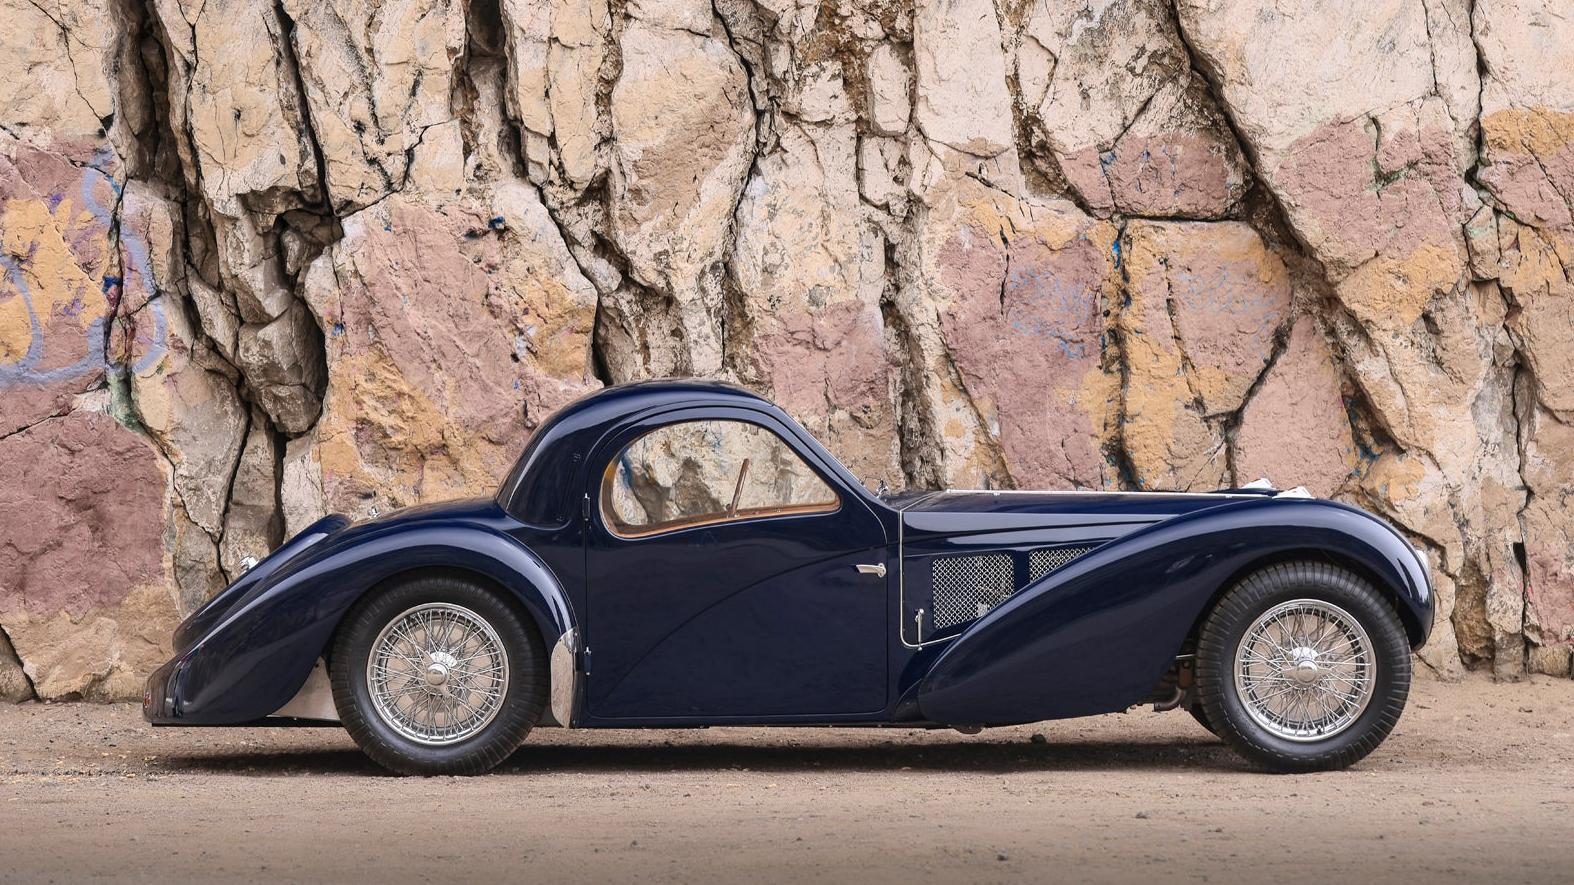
[{"x": 159, "y": 695}]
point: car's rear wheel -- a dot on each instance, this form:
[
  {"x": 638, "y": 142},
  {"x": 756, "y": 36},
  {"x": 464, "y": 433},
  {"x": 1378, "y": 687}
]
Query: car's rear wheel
[
  {"x": 438, "y": 676},
  {"x": 1303, "y": 666}
]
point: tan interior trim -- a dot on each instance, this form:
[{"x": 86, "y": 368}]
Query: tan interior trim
[{"x": 623, "y": 531}]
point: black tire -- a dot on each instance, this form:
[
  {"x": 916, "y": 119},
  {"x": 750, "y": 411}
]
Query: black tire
[
  {"x": 1250, "y": 599},
  {"x": 1201, "y": 715},
  {"x": 524, "y": 696}
]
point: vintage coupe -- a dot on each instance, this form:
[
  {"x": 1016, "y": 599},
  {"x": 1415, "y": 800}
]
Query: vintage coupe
[{"x": 680, "y": 554}]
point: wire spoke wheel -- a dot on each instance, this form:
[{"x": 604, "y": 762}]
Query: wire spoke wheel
[
  {"x": 437, "y": 673},
  {"x": 1305, "y": 670}
]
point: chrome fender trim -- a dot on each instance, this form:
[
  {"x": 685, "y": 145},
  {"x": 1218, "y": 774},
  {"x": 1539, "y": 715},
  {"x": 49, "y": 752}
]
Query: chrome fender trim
[
  {"x": 314, "y": 700},
  {"x": 565, "y": 678}
]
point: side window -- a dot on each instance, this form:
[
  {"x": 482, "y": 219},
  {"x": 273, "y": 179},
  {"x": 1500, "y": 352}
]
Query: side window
[{"x": 699, "y": 472}]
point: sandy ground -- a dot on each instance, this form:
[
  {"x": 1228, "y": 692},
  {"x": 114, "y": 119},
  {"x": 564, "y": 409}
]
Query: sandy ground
[{"x": 1476, "y": 785}]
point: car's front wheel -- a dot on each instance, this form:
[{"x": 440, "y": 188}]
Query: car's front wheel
[
  {"x": 1201, "y": 715},
  {"x": 1303, "y": 666},
  {"x": 438, "y": 676}
]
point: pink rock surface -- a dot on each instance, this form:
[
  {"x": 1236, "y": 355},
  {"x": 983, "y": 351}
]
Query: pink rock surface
[
  {"x": 1295, "y": 431},
  {"x": 1025, "y": 329},
  {"x": 1183, "y": 174},
  {"x": 451, "y": 332},
  {"x": 83, "y": 587}
]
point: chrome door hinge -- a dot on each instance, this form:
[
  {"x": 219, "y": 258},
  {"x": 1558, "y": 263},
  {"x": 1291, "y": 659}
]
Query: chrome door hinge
[{"x": 877, "y": 569}]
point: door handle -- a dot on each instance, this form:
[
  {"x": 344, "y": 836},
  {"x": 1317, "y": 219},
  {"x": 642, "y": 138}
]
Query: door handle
[{"x": 877, "y": 569}]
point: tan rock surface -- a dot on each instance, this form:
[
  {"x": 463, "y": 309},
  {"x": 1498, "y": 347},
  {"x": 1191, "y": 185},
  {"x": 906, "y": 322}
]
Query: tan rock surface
[
  {"x": 1205, "y": 302},
  {"x": 1132, "y": 130},
  {"x": 963, "y": 101},
  {"x": 15, "y": 687},
  {"x": 810, "y": 273},
  {"x": 683, "y": 132},
  {"x": 375, "y": 77},
  {"x": 433, "y": 392}
]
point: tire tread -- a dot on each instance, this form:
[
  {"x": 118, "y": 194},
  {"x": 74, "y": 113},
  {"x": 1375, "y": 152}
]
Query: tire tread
[
  {"x": 1252, "y": 595},
  {"x": 522, "y": 708}
]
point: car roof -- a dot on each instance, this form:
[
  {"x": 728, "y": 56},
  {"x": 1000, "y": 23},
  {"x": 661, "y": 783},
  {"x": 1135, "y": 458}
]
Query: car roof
[
  {"x": 540, "y": 488},
  {"x": 639, "y": 396}
]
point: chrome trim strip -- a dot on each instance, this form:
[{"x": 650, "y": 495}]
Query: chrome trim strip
[
  {"x": 565, "y": 678},
  {"x": 1424, "y": 556},
  {"x": 901, "y": 583},
  {"x": 314, "y": 700}
]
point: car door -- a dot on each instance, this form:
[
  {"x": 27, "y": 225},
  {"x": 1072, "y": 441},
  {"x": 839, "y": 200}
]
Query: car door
[{"x": 724, "y": 581}]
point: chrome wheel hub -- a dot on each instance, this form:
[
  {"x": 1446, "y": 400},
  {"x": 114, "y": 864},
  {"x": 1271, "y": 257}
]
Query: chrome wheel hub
[
  {"x": 437, "y": 670},
  {"x": 437, "y": 674},
  {"x": 1305, "y": 670}
]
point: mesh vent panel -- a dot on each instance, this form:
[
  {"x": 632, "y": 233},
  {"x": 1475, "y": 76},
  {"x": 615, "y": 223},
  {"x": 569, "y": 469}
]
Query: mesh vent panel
[
  {"x": 1042, "y": 562},
  {"x": 965, "y": 587}
]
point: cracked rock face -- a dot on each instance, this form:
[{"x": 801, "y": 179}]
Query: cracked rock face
[
  {"x": 89, "y": 601},
  {"x": 1207, "y": 303},
  {"x": 15, "y": 687},
  {"x": 260, "y": 261},
  {"x": 1109, "y": 87},
  {"x": 432, "y": 394}
]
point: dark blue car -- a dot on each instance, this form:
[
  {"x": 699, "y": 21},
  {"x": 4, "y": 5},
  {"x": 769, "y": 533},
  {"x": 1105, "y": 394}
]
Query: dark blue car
[{"x": 676, "y": 554}]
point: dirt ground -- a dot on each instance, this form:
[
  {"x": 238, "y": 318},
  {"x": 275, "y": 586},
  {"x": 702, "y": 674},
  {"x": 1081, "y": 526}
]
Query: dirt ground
[{"x": 1477, "y": 784}]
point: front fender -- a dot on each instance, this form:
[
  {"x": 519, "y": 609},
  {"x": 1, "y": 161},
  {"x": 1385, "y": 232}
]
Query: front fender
[
  {"x": 258, "y": 656},
  {"x": 1096, "y": 635}
]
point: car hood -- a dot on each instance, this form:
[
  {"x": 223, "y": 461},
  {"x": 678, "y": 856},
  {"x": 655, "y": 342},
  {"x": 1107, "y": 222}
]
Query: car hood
[{"x": 955, "y": 512}]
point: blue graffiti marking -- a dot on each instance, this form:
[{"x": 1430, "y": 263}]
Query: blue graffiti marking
[
  {"x": 137, "y": 258},
  {"x": 1045, "y": 303},
  {"x": 26, "y": 370}
]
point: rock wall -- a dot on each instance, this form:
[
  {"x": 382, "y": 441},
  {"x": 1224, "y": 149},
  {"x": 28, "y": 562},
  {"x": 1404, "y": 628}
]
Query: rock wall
[{"x": 263, "y": 260}]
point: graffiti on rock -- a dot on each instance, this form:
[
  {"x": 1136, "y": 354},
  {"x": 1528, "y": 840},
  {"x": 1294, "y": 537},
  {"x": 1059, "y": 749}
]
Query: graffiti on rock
[{"x": 36, "y": 292}]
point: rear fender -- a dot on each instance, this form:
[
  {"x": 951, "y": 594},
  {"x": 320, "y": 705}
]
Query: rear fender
[
  {"x": 261, "y": 653},
  {"x": 1096, "y": 635}
]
